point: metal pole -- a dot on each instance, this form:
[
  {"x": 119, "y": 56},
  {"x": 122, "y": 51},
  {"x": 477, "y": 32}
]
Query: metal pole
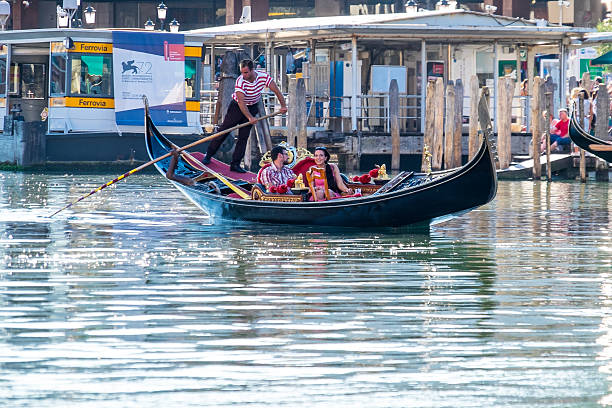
[
  {"x": 495, "y": 79},
  {"x": 355, "y": 79},
  {"x": 267, "y": 54},
  {"x": 423, "y": 82},
  {"x": 449, "y": 59},
  {"x": 9, "y": 51},
  {"x": 562, "y": 76}
]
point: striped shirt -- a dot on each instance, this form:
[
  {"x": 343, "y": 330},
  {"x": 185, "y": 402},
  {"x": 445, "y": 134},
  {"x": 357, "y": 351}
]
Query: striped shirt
[
  {"x": 271, "y": 176},
  {"x": 252, "y": 90}
]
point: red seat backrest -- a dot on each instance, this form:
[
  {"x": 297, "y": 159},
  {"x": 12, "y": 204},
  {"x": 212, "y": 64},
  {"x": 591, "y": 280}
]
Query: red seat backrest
[
  {"x": 259, "y": 172},
  {"x": 300, "y": 167}
]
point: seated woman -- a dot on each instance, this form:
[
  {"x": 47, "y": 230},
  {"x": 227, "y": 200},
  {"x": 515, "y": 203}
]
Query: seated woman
[{"x": 335, "y": 183}]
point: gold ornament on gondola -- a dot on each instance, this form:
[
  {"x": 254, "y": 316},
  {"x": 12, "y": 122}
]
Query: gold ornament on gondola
[
  {"x": 427, "y": 156},
  {"x": 382, "y": 172},
  {"x": 299, "y": 182},
  {"x": 295, "y": 155}
]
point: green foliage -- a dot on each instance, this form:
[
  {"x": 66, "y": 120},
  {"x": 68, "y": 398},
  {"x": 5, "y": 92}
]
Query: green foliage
[{"x": 602, "y": 26}]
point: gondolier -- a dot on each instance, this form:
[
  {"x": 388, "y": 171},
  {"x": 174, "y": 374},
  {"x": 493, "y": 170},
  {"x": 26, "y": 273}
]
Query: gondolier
[{"x": 243, "y": 108}]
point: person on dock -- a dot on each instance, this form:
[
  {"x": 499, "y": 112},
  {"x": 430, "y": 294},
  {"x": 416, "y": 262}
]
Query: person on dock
[
  {"x": 559, "y": 132},
  {"x": 243, "y": 108},
  {"x": 277, "y": 174}
]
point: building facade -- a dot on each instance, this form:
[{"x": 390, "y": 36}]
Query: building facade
[{"x": 193, "y": 14}]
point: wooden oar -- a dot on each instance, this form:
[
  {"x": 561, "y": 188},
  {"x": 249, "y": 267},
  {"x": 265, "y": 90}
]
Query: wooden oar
[
  {"x": 225, "y": 181},
  {"x": 137, "y": 169},
  {"x": 600, "y": 148}
]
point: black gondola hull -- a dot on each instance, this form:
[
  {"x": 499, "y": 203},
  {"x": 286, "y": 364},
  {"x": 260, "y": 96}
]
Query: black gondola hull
[
  {"x": 452, "y": 192},
  {"x": 585, "y": 141}
]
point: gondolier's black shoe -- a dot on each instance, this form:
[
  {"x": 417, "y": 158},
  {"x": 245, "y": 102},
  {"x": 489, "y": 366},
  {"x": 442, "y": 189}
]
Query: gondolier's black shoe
[
  {"x": 237, "y": 169},
  {"x": 206, "y": 160}
]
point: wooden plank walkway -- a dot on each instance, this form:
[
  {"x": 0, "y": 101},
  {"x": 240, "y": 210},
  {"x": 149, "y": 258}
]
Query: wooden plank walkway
[{"x": 524, "y": 169}]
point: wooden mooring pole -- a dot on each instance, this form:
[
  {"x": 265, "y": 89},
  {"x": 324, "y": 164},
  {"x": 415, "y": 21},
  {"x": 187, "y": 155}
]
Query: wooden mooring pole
[
  {"x": 428, "y": 136},
  {"x": 292, "y": 111},
  {"x": 449, "y": 127},
  {"x": 301, "y": 122},
  {"x": 586, "y": 84},
  {"x": 394, "y": 119},
  {"x": 547, "y": 118},
  {"x": 583, "y": 172},
  {"x": 536, "y": 125},
  {"x": 457, "y": 148},
  {"x": 438, "y": 142},
  {"x": 549, "y": 104},
  {"x": 602, "y": 171},
  {"x": 505, "y": 87},
  {"x": 473, "y": 137},
  {"x": 296, "y": 115}
]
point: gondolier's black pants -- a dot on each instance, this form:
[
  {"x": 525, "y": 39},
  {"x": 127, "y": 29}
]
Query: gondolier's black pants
[{"x": 233, "y": 117}]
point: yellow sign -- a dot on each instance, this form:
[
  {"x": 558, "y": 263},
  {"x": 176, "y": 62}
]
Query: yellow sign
[
  {"x": 2, "y": 102},
  {"x": 98, "y": 103},
  {"x": 193, "y": 51},
  {"x": 95, "y": 48},
  {"x": 193, "y": 106},
  {"x": 57, "y": 47},
  {"x": 57, "y": 102}
]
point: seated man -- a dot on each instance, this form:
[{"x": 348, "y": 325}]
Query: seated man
[
  {"x": 277, "y": 174},
  {"x": 559, "y": 132},
  {"x": 172, "y": 167}
]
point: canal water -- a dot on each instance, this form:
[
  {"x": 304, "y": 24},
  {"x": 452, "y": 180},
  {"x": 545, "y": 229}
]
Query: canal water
[{"x": 132, "y": 299}]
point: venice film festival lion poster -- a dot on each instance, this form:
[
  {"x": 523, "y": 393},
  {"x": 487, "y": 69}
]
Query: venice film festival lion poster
[{"x": 151, "y": 64}]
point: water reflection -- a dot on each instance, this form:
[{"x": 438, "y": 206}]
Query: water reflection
[{"x": 133, "y": 299}]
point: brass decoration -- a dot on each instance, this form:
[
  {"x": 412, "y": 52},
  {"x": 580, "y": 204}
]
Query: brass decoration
[
  {"x": 366, "y": 189},
  {"x": 282, "y": 198},
  {"x": 299, "y": 182},
  {"x": 296, "y": 154},
  {"x": 258, "y": 194},
  {"x": 382, "y": 172},
  {"x": 427, "y": 155}
]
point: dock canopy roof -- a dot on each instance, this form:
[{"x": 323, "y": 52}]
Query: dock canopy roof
[
  {"x": 447, "y": 26},
  {"x": 603, "y": 59}
]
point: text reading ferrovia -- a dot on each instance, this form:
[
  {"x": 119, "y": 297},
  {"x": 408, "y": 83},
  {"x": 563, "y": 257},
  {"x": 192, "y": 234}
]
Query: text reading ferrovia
[
  {"x": 85, "y": 102},
  {"x": 93, "y": 47}
]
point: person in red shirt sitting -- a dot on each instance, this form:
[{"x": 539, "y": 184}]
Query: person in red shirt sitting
[{"x": 559, "y": 132}]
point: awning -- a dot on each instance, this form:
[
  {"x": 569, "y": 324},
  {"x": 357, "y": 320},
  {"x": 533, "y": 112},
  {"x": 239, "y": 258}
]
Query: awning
[{"x": 603, "y": 59}]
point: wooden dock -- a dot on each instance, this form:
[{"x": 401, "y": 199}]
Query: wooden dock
[
  {"x": 523, "y": 169},
  {"x": 566, "y": 164}
]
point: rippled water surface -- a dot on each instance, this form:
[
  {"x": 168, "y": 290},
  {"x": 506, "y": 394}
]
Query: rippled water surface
[{"x": 131, "y": 299}]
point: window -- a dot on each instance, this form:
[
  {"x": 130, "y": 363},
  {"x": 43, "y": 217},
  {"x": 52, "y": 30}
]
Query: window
[
  {"x": 91, "y": 75},
  {"x": 191, "y": 76},
  {"x": 2, "y": 76},
  {"x": 484, "y": 67},
  {"x": 58, "y": 75},
  {"x": 14, "y": 80},
  {"x": 32, "y": 81}
]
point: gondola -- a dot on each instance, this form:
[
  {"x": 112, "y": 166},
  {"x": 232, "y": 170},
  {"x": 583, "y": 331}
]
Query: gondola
[
  {"x": 410, "y": 198},
  {"x": 584, "y": 140}
]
